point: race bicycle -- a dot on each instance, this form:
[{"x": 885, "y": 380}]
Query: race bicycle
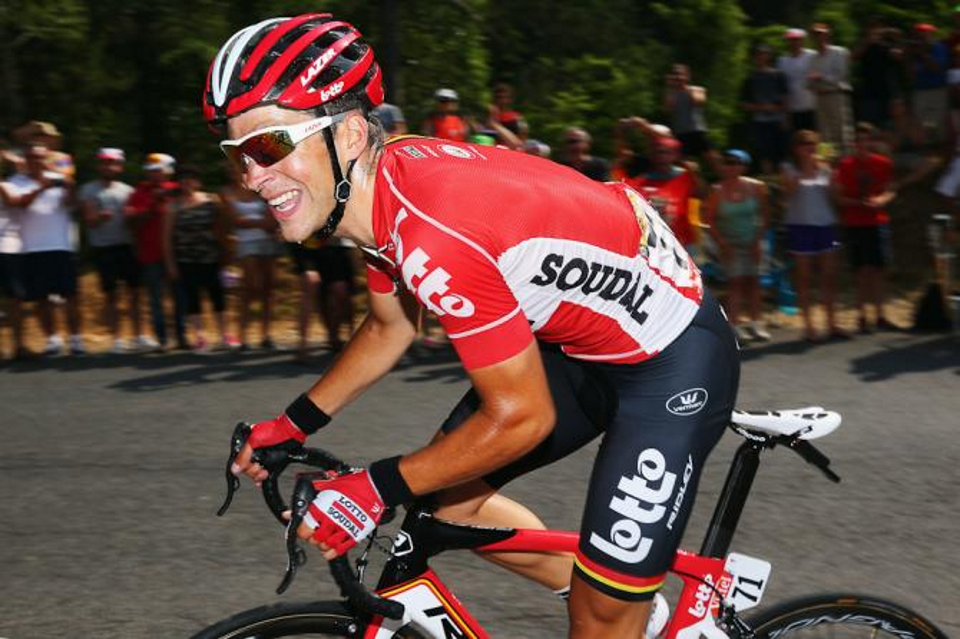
[{"x": 410, "y": 600}]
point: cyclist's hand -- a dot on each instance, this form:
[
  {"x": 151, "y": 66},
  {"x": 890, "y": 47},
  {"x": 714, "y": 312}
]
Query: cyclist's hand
[
  {"x": 274, "y": 434},
  {"x": 344, "y": 512}
]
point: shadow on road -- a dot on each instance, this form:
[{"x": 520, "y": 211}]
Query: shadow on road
[
  {"x": 148, "y": 372},
  {"x": 756, "y": 351},
  {"x": 893, "y": 359}
]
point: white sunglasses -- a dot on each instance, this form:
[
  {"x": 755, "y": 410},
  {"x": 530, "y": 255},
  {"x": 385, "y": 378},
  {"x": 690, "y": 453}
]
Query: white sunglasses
[{"x": 270, "y": 145}]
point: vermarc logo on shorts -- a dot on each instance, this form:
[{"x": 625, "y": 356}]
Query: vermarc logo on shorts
[
  {"x": 639, "y": 500},
  {"x": 688, "y": 402}
]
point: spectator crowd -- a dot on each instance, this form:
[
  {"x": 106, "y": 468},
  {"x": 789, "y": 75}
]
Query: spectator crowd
[{"x": 809, "y": 180}]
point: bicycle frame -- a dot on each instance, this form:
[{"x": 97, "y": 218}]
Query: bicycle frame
[{"x": 708, "y": 577}]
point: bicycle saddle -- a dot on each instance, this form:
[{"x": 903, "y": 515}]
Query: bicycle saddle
[{"x": 806, "y": 423}]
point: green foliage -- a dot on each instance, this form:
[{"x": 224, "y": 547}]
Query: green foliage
[{"x": 130, "y": 72}]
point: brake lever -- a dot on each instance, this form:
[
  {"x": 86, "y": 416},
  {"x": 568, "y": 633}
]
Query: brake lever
[
  {"x": 237, "y": 440},
  {"x": 303, "y": 495}
]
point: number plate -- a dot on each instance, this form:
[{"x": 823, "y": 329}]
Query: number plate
[{"x": 748, "y": 577}]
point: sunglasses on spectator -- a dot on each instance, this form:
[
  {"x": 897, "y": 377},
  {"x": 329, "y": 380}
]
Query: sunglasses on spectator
[{"x": 268, "y": 146}]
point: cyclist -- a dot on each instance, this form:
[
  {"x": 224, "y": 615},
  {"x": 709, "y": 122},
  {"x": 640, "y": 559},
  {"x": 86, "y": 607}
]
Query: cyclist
[{"x": 573, "y": 309}]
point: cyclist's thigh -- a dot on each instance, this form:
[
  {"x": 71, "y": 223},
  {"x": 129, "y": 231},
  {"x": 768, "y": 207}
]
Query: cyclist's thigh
[
  {"x": 584, "y": 404},
  {"x": 672, "y": 411}
]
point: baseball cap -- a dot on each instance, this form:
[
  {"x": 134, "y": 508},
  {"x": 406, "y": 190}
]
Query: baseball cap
[
  {"x": 795, "y": 34},
  {"x": 159, "y": 161},
  {"x": 661, "y": 130},
  {"x": 740, "y": 155},
  {"x": 664, "y": 142},
  {"x": 446, "y": 95},
  {"x": 111, "y": 154}
]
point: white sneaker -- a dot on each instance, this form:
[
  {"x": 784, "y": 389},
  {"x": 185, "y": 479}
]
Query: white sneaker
[
  {"x": 146, "y": 342},
  {"x": 54, "y": 345},
  {"x": 758, "y": 332},
  {"x": 119, "y": 346},
  {"x": 76, "y": 345}
]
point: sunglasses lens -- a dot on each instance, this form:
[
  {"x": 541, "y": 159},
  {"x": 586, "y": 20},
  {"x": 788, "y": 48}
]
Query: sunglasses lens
[
  {"x": 268, "y": 148},
  {"x": 233, "y": 155},
  {"x": 265, "y": 149}
]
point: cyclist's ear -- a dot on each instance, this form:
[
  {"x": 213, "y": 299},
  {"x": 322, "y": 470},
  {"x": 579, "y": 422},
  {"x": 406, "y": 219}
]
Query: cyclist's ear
[{"x": 352, "y": 135}]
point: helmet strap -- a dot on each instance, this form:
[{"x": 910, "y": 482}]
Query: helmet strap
[{"x": 341, "y": 192}]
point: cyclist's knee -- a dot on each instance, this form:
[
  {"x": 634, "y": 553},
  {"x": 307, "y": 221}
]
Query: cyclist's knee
[{"x": 595, "y": 614}]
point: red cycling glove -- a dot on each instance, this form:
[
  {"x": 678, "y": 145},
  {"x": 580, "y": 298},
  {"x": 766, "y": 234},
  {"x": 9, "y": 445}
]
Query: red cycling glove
[
  {"x": 275, "y": 431},
  {"x": 301, "y": 418},
  {"x": 345, "y": 511}
]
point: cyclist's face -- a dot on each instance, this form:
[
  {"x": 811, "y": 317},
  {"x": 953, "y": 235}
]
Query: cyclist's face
[{"x": 299, "y": 188}]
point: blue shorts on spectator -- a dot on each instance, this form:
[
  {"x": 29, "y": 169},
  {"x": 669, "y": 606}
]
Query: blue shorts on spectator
[{"x": 805, "y": 239}]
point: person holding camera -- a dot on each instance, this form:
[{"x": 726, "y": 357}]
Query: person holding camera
[
  {"x": 145, "y": 210},
  {"x": 685, "y": 103},
  {"x": 43, "y": 200}
]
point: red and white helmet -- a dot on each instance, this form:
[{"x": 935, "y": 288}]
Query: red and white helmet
[{"x": 296, "y": 63}]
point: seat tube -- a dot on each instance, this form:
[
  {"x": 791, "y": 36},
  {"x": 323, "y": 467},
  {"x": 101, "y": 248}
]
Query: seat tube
[{"x": 732, "y": 499}]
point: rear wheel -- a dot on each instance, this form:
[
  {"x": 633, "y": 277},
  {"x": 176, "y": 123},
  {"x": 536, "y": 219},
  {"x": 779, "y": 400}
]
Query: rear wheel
[
  {"x": 841, "y": 617},
  {"x": 306, "y": 620}
]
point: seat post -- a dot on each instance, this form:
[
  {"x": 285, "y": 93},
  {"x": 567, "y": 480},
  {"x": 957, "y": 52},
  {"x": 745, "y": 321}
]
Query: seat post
[{"x": 732, "y": 499}]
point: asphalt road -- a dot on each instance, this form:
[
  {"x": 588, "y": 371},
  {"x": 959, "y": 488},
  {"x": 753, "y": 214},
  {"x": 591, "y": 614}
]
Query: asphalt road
[{"x": 112, "y": 470}]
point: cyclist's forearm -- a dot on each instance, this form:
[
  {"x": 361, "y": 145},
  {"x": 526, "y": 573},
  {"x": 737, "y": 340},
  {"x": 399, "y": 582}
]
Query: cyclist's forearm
[
  {"x": 516, "y": 413},
  {"x": 369, "y": 355},
  {"x": 479, "y": 446}
]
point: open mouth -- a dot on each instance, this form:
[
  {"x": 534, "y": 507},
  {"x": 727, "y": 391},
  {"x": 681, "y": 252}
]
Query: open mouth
[{"x": 285, "y": 204}]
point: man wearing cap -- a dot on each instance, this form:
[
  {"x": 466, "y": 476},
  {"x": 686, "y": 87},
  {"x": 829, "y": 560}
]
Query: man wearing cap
[
  {"x": 795, "y": 65},
  {"x": 829, "y": 79},
  {"x": 445, "y": 122},
  {"x": 145, "y": 212},
  {"x": 928, "y": 64},
  {"x": 102, "y": 203},
  {"x": 669, "y": 187},
  {"x": 43, "y": 200}
]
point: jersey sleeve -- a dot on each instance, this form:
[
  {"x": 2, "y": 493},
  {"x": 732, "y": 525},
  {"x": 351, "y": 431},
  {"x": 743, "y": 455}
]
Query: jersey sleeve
[
  {"x": 461, "y": 284},
  {"x": 378, "y": 280}
]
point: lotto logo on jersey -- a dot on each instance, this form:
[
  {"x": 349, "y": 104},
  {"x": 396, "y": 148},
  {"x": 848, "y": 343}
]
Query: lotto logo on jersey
[
  {"x": 431, "y": 285},
  {"x": 639, "y": 500}
]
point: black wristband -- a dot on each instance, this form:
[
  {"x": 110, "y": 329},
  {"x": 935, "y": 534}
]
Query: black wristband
[
  {"x": 306, "y": 415},
  {"x": 386, "y": 477}
]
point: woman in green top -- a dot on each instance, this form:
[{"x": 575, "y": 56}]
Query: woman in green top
[{"x": 737, "y": 215}]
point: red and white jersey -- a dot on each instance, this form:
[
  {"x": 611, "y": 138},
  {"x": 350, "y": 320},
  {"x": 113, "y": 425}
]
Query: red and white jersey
[{"x": 505, "y": 246}]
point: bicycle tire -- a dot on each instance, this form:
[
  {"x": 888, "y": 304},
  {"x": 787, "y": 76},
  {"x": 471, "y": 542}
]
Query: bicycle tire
[
  {"x": 318, "y": 619},
  {"x": 842, "y": 615}
]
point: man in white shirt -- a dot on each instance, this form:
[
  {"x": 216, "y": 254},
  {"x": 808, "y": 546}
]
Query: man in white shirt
[
  {"x": 43, "y": 200},
  {"x": 102, "y": 204},
  {"x": 795, "y": 65}
]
